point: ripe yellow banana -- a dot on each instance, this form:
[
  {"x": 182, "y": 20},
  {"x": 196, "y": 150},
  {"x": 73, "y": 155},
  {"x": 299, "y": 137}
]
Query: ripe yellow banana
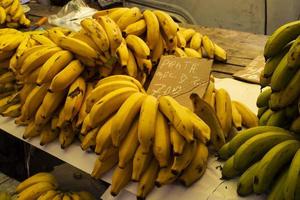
[
  {"x": 152, "y": 26},
  {"x": 6, "y": 3},
  {"x": 236, "y": 117},
  {"x": 220, "y": 53},
  {"x": 31, "y": 77},
  {"x": 107, "y": 11},
  {"x": 113, "y": 32},
  {"x": 120, "y": 178},
  {"x": 86, "y": 195},
  {"x": 55, "y": 35},
  {"x": 192, "y": 53},
  {"x": 2, "y": 15},
  {"x": 34, "y": 191},
  {"x": 138, "y": 46},
  {"x": 89, "y": 139},
  {"x": 196, "y": 41},
  {"x": 249, "y": 119},
  {"x": 209, "y": 46},
  {"x": 82, "y": 112},
  {"x": 31, "y": 131},
  {"x": 165, "y": 175},
  {"x": 37, "y": 58},
  {"x": 10, "y": 42},
  {"x": 24, "y": 54},
  {"x": 128, "y": 17},
  {"x": 18, "y": 14},
  {"x": 103, "y": 139},
  {"x": 48, "y": 135},
  {"x": 101, "y": 167},
  {"x": 12, "y": 111},
  {"x": 208, "y": 96},
  {"x": 43, "y": 40},
  {"x": 109, "y": 104},
  {"x": 197, "y": 166},
  {"x": 158, "y": 50},
  {"x": 50, "y": 194},
  {"x": 168, "y": 25},
  {"x": 66, "y": 136},
  {"x": 141, "y": 162},
  {"x": 116, "y": 14},
  {"x": 146, "y": 184},
  {"x": 137, "y": 28},
  {"x": 176, "y": 115},
  {"x": 180, "y": 53},
  {"x": 188, "y": 34},
  {"x": 84, "y": 36},
  {"x": 123, "y": 54},
  {"x": 24, "y": 20},
  {"x": 66, "y": 76},
  {"x": 178, "y": 142},
  {"x": 7, "y": 77}
]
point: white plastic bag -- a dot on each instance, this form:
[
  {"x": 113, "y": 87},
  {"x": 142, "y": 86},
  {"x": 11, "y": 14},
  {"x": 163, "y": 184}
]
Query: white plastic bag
[{"x": 71, "y": 15}]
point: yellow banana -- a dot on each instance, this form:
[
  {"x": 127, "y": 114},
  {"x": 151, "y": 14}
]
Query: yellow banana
[
  {"x": 55, "y": 35},
  {"x": 209, "y": 46},
  {"x": 10, "y": 42},
  {"x": 181, "y": 42},
  {"x": 128, "y": 17},
  {"x": 31, "y": 131},
  {"x": 122, "y": 53},
  {"x": 103, "y": 139},
  {"x": 107, "y": 11},
  {"x": 116, "y": 14},
  {"x": 82, "y": 112},
  {"x": 2, "y": 15},
  {"x": 158, "y": 50},
  {"x": 34, "y": 191},
  {"x": 140, "y": 163},
  {"x": 137, "y": 28},
  {"x": 84, "y": 36},
  {"x": 43, "y": 40},
  {"x": 188, "y": 34},
  {"x": 196, "y": 41},
  {"x": 7, "y": 77},
  {"x": 192, "y": 53},
  {"x": 48, "y": 135},
  {"x": 168, "y": 25},
  {"x": 101, "y": 167},
  {"x": 180, "y": 53},
  {"x": 32, "y": 77},
  {"x": 165, "y": 175},
  {"x": 138, "y": 46},
  {"x": 249, "y": 119},
  {"x": 220, "y": 53},
  {"x": 66, "y": 137},
  {"x": 50, "y": 194},
  {"x": 66, "y": 76},
  {"x": 12, "y": 111},
  {"x": 236, "y": 117},
  {"x": 178, "y": 142},
  {"x": 120, "y": 178},
  {"x": 153, "y": 32},
  {"x": 89, "y": 139}
]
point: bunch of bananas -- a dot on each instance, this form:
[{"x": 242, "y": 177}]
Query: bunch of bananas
[
  {"x": 44, "y": 186},
  {"x": 12, "y": 14},
  {"x": 278, "y": 101},
  {"x": 223, "y": 115},
  {"x": 266, "y": 158},
  {"x": 151, "y": 140}
]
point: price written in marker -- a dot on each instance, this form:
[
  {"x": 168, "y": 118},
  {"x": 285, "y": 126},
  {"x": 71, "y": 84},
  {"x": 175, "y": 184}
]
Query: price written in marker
[{"x": 179, "y": 77}]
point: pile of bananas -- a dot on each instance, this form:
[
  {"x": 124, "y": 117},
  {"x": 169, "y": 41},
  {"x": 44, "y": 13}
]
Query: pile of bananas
[
  {"x": 44, "y": 186},
  {"x": 279, "y": 101},
  {"x": 12, "y": 14},
  {"x": 267, "y": 160},
  {"x": 223, "y": 115}
]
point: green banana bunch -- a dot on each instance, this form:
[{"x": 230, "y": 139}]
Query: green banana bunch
[{"x": 263, "y": 97}]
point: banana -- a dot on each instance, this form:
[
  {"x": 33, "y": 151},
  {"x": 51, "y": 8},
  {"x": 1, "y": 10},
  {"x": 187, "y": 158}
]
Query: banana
[
  {"x": 145, "y": 65},
  {"x": 236, "y": 118},
  {"x": 123, "y": 54},
  {"x": 74, "y": 196},
  {"x": 281, "y": 37},
  {"x": 10, "y": 42},
  {"x": 33, "y": 101},
  {"x": 89, "y": 139},
  {"x": 101, "y": 167},
  {"x": 109, "y": 104},
  {"x": 197, "y": 166},
  {"x": 140, "y": 163},
  {"x": 188, "y": 35},
  {"x": 249, "y": 119},
  {"x": 103, "y": 139},
  {"x": 74, "y": 99},
  {"x": 119, "y": 78},
  {"x": 7, "y": 77},
  {"x": 49, "y": 105},
  {"x": 113, "y": 32},
  {"x": 39, "y": 177},
  {"x": 48, "y": 135},
  {"x": 277, "y": 190},
  {"x": 50, "y": 194},
  {"x": 180, "y": 53},
  {"x": 31, "y": 131},
  {"x": 34, "y": 191},
  {"x": 136, "y": 28},
  {"x": 261, "y": 111},
  {"x": 131, "y": 66},
  {"x": 265, "y": 117},
  {"x": 181, "y": 42},
  {"x": 209, "y": 92},
  {"x": 146, "y": 184},
  {"x": 196, "y": 40},
  {"x": 66, "y": 137},
  {"x": 120, "y": 178},
  {"x": 277, "y": 119},
  {"x": 37, "y": 58},
  {"x": 220, "y": 53},
  {"x": 53, "y": 65},
  {"x": 82, "y": 112},
  {"x": 207, "y": 114},
  {"x": 107, "y": 11},
  {"x": 78, "y": 47},
  {"x": 115, "y": 15},
  {"x": 128, "y": 17},
  {"x": 162, "y": 144},
  {"x": 86, "y": 195},
  {"x": 147, "y": 120},
  {"x": 248, "y": 151},
  {"x": 224, "y": 152},
  {"x": 263, "y": 97},
  {"x": 55, "y": 35},
  {"x": 245, "y": 184},
  {"x": 138, "y": 46},
  {"x": 291, "y": 111},
  {"x": 104, "y": 89},
  {"x": 192, "y": 53},
  {"x": 228, "y": 170},
  {"x": 18, "y": 14},
  {"x": 181, "y": 162},
  {"x": 272, "y": 63},
  {"x": 292, "y": 179},
  {"x": 24, "y": 21},
  {"x": 224, "y": 110},
  {"x": 5, "y": 55},
  {"x": 129, "y": 146},
  {"x": 8, "y": 101},
  {"x": 43, "y": 40},
  {"x": 97, "y": 33},
  {"x": 272, "y": 162},
  {"x": 24, "y": 54},
  {"x": 168, "y": 25},
  {"x": 107, "y": 153},
  {"x": 66, "y": 197},
  {"x": 85, "y": 127},
  {"x": 32, "y": 77},
  {"x": 158, "y": 50},
  {"x": 282, "y": 75},
  {"x": 2, "y": 15},
  {"x": 66, "y": 76},
  {"x": 6, "y": 3},
  {"x": 12, "y": 111},
  {"x": 293, "y": 54},
  {"x": 264, "y": 81},
  {"x": 84, "y": 36},
  {"x": 125, "y": 116},
  {"x": 295, "y": 125},
  {"x": 153, "y": 29},
  {"x": 209, "y": 46},
  {"x": 178, "y": 142},
  {"x": 174, "y": 112}
]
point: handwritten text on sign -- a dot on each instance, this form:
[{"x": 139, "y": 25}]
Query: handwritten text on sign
[{"x": 179, "y": 76}]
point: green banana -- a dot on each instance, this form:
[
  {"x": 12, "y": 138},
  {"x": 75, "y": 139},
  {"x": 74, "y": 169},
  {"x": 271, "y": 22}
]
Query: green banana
[
  {"x": 261, "y": 111},
  {"x": 277, "y": 188},
  {"x": 280, "y": 37},
  {"x": 263, "y": 97},
  {"x": 245, "y": 184},
  {"x": 294, "y": 54},
  {"x": 292, "y": 177},
  {"x": 274, "y": 102},
  {"x": 256, "y": 147},
  {"x": 272, "y": 163},
  {"x": 245, "y": 135},
  {"x": 295, "y": 126},
  {"x": 277, "y": 119},
  {"x": 228, "y": 170},
  {"x": 282, "y": 75},
  {"x": 291, "y": 111},
  {"x": 291, "y": 92},
  {"x": 223, "y": 153},
  {"x": 263, "y": 120}
]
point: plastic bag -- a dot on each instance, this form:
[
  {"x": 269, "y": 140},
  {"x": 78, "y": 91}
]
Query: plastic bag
[{"x": 71, "y": 15}]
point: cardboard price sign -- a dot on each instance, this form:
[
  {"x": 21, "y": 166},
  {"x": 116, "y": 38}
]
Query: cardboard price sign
[{"x": 179, "y": 77}]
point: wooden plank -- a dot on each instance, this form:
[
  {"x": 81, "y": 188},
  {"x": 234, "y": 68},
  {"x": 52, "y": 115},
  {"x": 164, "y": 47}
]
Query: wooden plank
[{"x": 226, "y": 68}]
